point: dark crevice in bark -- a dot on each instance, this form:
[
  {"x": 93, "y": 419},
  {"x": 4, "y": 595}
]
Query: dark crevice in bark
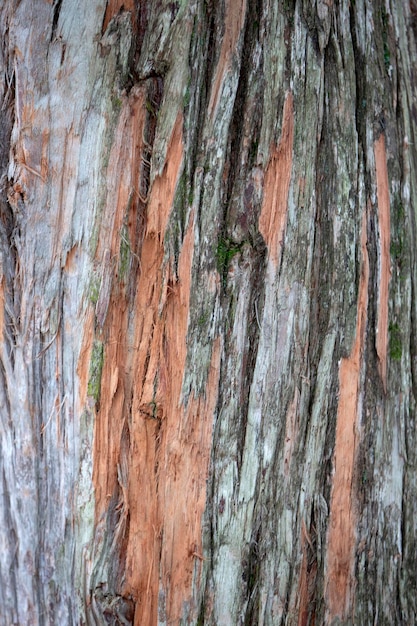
[
  {"x": 372, "y": 247},
  {"x": 203, "y": 50},
  {"x": 320, "y": 302},
  {"x": 236, "y": 126},
  {"x": 360, "y": 116},
  {"x": 8, "y": 219},
  {"x": 250, "y": 578},
  {"x": 413, "y": 18},
  {"x": 201, "y": 61},
  {"x": 55, "y": 18},
  {"x": 142, "y": 18},
  {"x": 310, "y": 20}
]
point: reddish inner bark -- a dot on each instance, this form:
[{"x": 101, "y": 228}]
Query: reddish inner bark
[
  {"x": 149, "y": 448},
  {"x": 234, "y": 21},
  {"x": 339, "y": 572},
  {"x": 273, "y": 216},
  {"x": 384, "y": 255}
]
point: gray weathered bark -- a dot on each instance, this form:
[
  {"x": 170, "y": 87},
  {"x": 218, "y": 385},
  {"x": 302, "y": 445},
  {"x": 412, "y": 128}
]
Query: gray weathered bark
[{"x": 208, "y": 312}]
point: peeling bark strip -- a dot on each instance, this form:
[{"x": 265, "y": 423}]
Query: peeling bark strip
[
  {"x": 114, "y": 7},
  {"x": 384, "y": 255},
  {"x": 234, "y": 21},
  {"x": 154, "y": 465},
  {"x": 341, "y": 541},
  {"x": 169, "y": 451},
  {"x": 276, "y": 186}
]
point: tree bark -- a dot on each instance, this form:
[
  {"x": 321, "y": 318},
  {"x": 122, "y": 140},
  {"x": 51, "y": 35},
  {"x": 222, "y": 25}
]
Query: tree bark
[{"x": 208, "y": 312}]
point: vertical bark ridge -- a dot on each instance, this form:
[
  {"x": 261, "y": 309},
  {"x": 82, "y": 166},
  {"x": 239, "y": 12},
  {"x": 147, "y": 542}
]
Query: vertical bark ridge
[
  {"x": 277, "y": 176},
  {"x": 341, "y": 542},
  {"x": 234, "y": 20},
  {"x": 384, "y": 255}
]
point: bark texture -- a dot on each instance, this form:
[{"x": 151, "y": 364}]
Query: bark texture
[{"x": 208, "y": 312}]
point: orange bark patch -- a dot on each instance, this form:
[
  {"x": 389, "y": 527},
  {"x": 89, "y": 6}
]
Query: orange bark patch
[
  {"x": 186, "y": 462},
  {"x": 163, "y": 188},
  {"x": 170, "y": 446},
  {"x": 384, "y": 255},
  {"x": 83, "y": 366},
  {"x": 342, "y": 522},
  {"x": 123, "y": 174},
  {"x": 113, "y": 8},
  {"x": 151, "y": 452},
  {"x": 112, "y": 304},
  {"x": 276, "y": 186},
  {"x": 234, "y": 21}
]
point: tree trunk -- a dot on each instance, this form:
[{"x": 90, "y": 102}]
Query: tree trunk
[{"x": 208, "y": 312}]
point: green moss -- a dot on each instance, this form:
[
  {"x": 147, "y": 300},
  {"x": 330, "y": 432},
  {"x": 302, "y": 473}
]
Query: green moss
[
  {"x": 396, "y": 248},
  {"x": 182, "y": 196},
  {"x": 289, "y": 10},
  {"x": 116, "y": 103},
  {"x": 225, "y": 251},
  {"x": 187, "y": 97},
  {"x": 94, "y": 288},
  {"x": 200, "y": 618},
  {"x": 253, "y": 151},
  {"x": 183, "y": 199},
  {"x": 203, "y": 318},
  {"x": 387, "y": 56},
  {"x": 150, "y": 108},
  {"x": 385, "y": 25},
  {"x": 96, "y": 367},
  {"x": 398, "y": 237},
  {"x": 395, "y": 343}
]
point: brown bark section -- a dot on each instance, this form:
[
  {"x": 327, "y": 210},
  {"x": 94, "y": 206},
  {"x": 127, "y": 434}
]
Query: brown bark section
[
  {"x": 273, "y": 215},
  {"x": 123, "y": 174},
  {"x": 384, "y": 255},
  {"x": 83, "y": 365},
  {"x": 341, "y": 540}
]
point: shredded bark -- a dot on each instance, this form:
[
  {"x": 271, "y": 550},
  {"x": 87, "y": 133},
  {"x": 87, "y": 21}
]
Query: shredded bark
[
  {"x": 384, "y": 255},
  {"x": 234, "y": 22},
  {"x": 273, "y": 216},
  {"x": 340, "y": 582}
]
